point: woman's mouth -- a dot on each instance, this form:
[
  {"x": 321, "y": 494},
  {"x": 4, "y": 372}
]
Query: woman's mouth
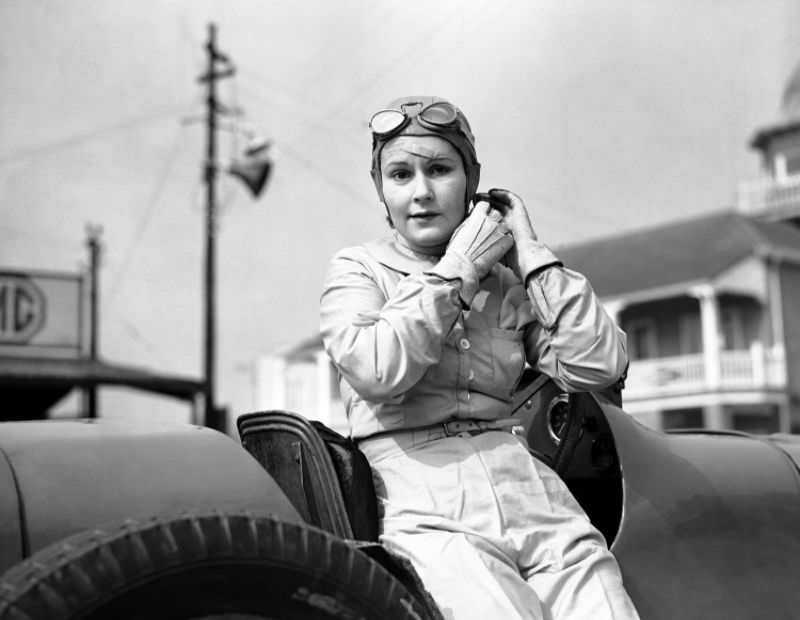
[{"x": 427, "y": 215}]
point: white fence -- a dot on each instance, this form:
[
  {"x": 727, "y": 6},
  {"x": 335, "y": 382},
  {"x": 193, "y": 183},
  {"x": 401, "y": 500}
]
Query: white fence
[
  {"x": 753, "y": 369},
  {"x": 756, "y": 197}
]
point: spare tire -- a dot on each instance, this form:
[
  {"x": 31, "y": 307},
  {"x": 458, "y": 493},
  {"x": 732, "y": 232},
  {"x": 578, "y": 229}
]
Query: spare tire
[{"x": 204, "y": 566}]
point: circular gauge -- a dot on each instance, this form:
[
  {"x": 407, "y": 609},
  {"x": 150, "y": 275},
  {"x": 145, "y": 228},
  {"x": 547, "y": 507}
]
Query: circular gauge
[{"x": 557, "y": 415}]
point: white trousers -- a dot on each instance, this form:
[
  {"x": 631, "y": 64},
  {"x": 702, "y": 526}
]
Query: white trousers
[{"x": 492, "y": 532}]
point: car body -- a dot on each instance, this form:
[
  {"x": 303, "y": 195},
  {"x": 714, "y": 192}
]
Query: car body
[
  {"x": 58, "y": 478},
  {"x": 703, "y": 524}
]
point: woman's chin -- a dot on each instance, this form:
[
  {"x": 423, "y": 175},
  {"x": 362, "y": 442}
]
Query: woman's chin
[{"x": 426, "y": 244}]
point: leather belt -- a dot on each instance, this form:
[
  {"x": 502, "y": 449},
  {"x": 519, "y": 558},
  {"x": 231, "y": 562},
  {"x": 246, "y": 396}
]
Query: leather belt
[
  {"x": 453, "y": 428},
  {"x": 473, "y": 427}
]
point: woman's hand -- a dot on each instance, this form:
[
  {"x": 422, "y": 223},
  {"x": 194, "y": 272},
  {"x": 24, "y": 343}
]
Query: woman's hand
[
  {"x": 515, "y": 216},
  {"x": 483, "y": 237},
  {"x": 478, "y": 243},
  {"x": 513, "y": 210}
]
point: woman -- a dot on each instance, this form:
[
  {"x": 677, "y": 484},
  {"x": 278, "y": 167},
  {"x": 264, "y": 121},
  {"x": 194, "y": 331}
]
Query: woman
[{"x": 430, "y": 332}]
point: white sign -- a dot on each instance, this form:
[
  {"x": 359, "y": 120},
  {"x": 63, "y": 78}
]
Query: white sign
[{"x": 40, "y": 314}]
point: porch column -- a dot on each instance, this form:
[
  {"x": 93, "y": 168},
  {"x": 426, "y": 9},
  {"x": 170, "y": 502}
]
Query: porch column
[
  {"x": 709, "y": 323},
  {"x": 784, "y": 416},
  {"x": 777, "y": 340},
  {"x": 715, "y": 418},
  {"x": 758, "y": 361}
]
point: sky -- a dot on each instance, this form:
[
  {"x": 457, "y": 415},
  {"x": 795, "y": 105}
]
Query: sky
[{"x": 605, "y": 117}]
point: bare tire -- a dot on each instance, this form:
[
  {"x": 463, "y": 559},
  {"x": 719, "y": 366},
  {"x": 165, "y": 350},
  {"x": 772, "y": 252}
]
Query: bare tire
[{"x": 206, "y": 567}]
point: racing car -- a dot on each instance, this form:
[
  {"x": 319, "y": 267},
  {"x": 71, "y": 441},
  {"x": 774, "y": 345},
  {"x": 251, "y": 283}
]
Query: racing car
[{"x": 115, "y": 519}]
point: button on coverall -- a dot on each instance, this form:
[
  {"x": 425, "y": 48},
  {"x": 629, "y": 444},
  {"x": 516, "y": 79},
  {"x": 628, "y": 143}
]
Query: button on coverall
[{"x": 492, "y": 532}]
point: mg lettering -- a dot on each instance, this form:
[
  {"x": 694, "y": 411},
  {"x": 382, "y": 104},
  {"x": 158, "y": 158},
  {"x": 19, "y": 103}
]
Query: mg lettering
[{"x": 22, "y": 309}]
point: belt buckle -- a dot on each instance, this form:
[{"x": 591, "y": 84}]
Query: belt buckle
[
  {"x": 457, "y": 431},
  {"x": 462, "y": 428}
]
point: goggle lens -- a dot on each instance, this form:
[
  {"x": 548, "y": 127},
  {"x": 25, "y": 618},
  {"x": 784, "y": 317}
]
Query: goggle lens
[
  {"x": 386, "y": 121},
  {"x": 439, "y": 114}
]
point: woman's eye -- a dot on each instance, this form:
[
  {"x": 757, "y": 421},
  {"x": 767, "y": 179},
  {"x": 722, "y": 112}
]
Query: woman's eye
[
  {"x": 400, "y": 175},
  {"x": 440, "y": 169}
]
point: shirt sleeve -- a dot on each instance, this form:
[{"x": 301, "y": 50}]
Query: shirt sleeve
[
  {"x": 572, "y": 340},
  {"x": 384, "y": 346}
]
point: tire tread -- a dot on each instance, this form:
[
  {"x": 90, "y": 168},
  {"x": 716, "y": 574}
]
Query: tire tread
[{"x": 87, "y": 570}]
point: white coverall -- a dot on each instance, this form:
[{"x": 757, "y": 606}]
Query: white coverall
[{"x": 491, "y": 531}]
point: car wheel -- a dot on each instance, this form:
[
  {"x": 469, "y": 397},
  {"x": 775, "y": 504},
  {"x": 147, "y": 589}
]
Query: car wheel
[{"x": 209, "y": 566}]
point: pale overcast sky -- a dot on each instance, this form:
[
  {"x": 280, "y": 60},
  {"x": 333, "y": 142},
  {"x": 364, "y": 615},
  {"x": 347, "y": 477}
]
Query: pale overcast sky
[{"x": 604, "y": 116}]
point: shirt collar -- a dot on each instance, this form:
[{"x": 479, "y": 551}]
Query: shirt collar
[{"x": 389, "y": 252}]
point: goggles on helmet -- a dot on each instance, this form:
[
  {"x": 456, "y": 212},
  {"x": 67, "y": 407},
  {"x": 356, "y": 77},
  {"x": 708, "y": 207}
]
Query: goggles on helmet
[{"x": 439, "y": 115}]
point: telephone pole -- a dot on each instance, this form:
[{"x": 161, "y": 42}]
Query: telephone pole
[
  {"x": 218, "y": 67},
  {"x": 93, "y": 243}
]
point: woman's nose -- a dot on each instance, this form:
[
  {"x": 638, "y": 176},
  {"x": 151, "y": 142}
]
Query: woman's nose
[{"x": 422, "y": 188}]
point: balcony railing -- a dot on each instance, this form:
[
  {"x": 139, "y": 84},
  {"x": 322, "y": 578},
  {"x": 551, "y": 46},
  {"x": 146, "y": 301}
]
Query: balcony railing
[
  {"x": 753, "y": 369},
  {"x": 758, "y": 197}
]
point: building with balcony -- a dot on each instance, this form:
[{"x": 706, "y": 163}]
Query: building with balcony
[
  {"x": 711, "y": 306},
  {"x": 708, "y": 306}
]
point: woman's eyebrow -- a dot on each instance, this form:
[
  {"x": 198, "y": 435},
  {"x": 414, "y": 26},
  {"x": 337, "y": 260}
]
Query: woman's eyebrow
[
  {"x": 423, "y": 151},
  {"x": 417, "y": 150},
  {"x": 396, "y": 160}
]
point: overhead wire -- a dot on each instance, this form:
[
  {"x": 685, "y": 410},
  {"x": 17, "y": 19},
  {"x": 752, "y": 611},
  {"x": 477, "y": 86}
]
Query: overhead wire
[
  {"x": 439, "y": 31},
  {"x": 310, "y": 124},
  {"x": 342, "y": 186},
  {"x": 72, "y": 141},
  {"x": 147, "y": 214},
  {"x": 134, "y": 333}
]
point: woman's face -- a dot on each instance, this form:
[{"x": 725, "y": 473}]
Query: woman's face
[{"x": 424, "y": 187}]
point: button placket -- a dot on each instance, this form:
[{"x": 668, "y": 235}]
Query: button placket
[{"x": 464, "y": 346}]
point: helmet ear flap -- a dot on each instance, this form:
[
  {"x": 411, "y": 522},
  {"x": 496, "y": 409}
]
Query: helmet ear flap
[
  {"x": 375, "y": 173},
  {"x": 473, "y": 179},
  {"x": 389, "y": 219}
]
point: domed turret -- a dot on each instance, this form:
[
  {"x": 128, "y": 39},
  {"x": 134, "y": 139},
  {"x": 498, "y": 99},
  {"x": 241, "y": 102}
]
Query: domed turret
[
  {"x": 790, "y": 104},
  {"x": 777, "y": 196}
]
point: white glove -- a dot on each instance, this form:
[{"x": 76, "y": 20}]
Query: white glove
[
  {"x": 528, "y": 255},
  {"x": 478, "y": 243}
]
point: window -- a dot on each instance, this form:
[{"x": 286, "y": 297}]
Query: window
[
  {"x": 732, "y": 326},
  {"x": 642, "y": 341},
  {"x": 682, "y": 418},
  {"x": 756, "y": 422},
  {"x": 787, "y": 164},
  {"x": 792, "y": 159},
  {"x": 690, "y": 334}
]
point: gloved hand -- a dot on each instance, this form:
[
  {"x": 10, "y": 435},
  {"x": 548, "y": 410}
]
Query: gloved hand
[
  {"x": 478, "y": 243},
  {"x": 527, "y": 255}
]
